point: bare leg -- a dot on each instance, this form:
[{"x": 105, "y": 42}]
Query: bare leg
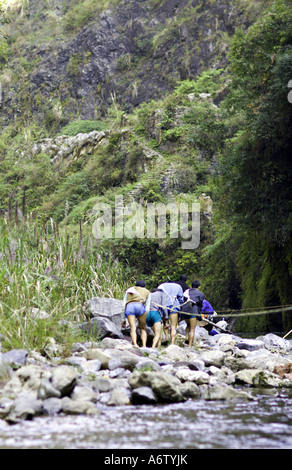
[
  {"x": 193, "y": 324},
  {"x": 173, "y": 325},
  {"x": 187, "y": 329},
  {"x": 133, "y": 331},
  {"x": 157, "y": 334},
  {"x": 166, "y": 328},
  {"x": 142, "y": 325}
]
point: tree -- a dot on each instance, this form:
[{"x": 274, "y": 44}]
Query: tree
[{"x": 255, "y": 170}]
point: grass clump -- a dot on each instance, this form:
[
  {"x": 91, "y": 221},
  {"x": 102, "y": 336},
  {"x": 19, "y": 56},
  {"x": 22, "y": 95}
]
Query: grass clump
[
  {"x": 84, "y": 127},
  {"x": 46, "y": 270}
]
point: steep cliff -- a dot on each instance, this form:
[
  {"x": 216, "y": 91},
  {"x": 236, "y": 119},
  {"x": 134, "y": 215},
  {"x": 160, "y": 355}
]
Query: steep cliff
[{"x": 69, "y": 58}]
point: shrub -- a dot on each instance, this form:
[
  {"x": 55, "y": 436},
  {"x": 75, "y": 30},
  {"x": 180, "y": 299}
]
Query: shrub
[{"x": 82, "y": 127}]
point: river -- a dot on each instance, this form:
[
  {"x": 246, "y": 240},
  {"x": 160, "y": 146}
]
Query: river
[{"x": 264, "y": 423}]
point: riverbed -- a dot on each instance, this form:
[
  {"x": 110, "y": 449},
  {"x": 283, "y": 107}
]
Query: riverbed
[{"x": 264, "y": 423}]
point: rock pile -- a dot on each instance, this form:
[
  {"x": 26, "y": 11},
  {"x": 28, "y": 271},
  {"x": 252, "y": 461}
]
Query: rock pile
[{"x": 112, "y": 373}]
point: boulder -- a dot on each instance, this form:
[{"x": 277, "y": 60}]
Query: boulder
[
  {"x": 64, "y": 379},
  {"x": 143, "y": 396},
  {"x": 52, "y": 406},
  {"x": 38, "y": 314},
  {"x": 108, "y": 308},
  {"x": 101, "y": 356},
  {"x": 125, "y": 360},
  {"x": 6, "y": 405},
  {"x": 114, "y": 343},
  {"x": 250, "y": 344},
  {"x": 194, "y": 365},
  {"x": 90, "y": 366},
  {"x": 13, "y": 387},
  {"x": 46, "y": 390},
  {"x": 190, "y": 390},
  {"x": 114, "y": 373},
  {"x": 223, "y": 374},
  {"x": 187, "y": 375},
  {"x": 176, "y": 353},
  {"x": 264, "y": 359},
  {"x": 31, "y": 377},
  {"x": 225, "y": 342},
  {"x": 77, "y": 407},
  {"x": 100, "y": 328},
  {"x": 103, "y": 384},
  {"x": 261, "y": 378},
  {"x": 226, "y": 392},
  {"x": 259, "y": 359},
  {"x": 26, "y": 407},
  {"x": 119, "y": 396},
  {"x": 213, "y": 358},
  {"x": 84, "y": 393},
  {"x": 165, "y": 386},
  {"x": 15, "y": 358},
  {"x": 147, "y": 364},
  {"x": 275, "y": 343}
]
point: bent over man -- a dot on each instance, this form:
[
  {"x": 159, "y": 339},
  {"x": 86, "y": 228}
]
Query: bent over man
[
  {"x": 136, "y": 306},
  {"x": 156, "y": 313},
  {"x": 174, "y": 298},
  {"x": 192, "y": 308}
]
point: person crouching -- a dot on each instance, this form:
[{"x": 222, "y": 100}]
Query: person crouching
[
  {"x": 194, "y": 298},
  {"x": 157, "y": 310},
  {"x": 136, "y": 307}
]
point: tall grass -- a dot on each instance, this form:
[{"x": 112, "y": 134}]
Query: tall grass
[{"x": 45, "y": 268}]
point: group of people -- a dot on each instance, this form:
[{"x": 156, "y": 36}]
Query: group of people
[{"x": 170, "y": 302}]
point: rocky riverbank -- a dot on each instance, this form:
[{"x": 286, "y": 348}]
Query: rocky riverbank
[{"x": 112, "y": 372}]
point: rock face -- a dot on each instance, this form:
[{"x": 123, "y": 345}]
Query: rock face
[
  {"x": 112, "y": 372},
  {"x": 104, "y": 315},
  {"x": 105, "y": 308},
  {"x": 135, "y": 51},
  {"x": 64, "y": 150}
]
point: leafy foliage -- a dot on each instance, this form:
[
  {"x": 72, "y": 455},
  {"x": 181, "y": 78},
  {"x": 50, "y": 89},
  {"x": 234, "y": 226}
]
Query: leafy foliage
[
  {"x": 254, "y": 184},
  {"x": 46, "y": 268},
  {"x": 77, "y": 127}
]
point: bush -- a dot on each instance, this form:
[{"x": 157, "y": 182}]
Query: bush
[{"x": 82, "y": 127}]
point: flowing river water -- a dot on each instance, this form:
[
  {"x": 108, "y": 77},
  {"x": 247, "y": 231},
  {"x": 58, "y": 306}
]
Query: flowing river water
[{"x": 264, "y": 423}]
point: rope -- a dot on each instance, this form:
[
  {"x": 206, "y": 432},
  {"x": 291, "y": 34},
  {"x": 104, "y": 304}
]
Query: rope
[
  {"x": 281, "y": 307},
  {"x": 264, "y": 312},
  {"x": 284, "y": 337}
]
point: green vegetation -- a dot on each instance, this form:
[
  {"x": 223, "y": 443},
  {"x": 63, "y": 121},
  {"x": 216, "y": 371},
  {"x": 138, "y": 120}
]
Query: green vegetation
[
  {"x": 84, "y": 127},
  {"x": 254, "y": 178},
  {"x": 48, "y": 268}
]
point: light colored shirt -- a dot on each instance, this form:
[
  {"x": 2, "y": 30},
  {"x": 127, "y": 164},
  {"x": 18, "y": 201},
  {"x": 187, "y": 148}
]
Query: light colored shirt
[
  {"x": 174, "y": 294},
  {"x": 136, "y": 294},
  {"x": 158, "y": 302}
]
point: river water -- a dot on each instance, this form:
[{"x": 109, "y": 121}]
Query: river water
[{"x": 264, "y": 423}]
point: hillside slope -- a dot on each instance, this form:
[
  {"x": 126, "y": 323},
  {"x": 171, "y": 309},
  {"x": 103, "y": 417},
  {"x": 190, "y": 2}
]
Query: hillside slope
[
  {"x": 69, "y": 58},
  {"x": 155, "y": 101}
]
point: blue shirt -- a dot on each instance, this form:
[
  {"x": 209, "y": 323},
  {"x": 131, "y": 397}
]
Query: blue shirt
[
  {"x": 207, "y": 307},
  {"x": 174, "y": 294}
]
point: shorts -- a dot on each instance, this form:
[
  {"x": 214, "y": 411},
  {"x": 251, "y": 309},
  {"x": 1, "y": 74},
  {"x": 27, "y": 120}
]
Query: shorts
[
  {"x": 188, "y": 317},
  {"x": 153, "y": 317},
  {"x": 193, "y": 315},
  {"x": 135, "y": 308},
  {"x": 170, "y": 311}
]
